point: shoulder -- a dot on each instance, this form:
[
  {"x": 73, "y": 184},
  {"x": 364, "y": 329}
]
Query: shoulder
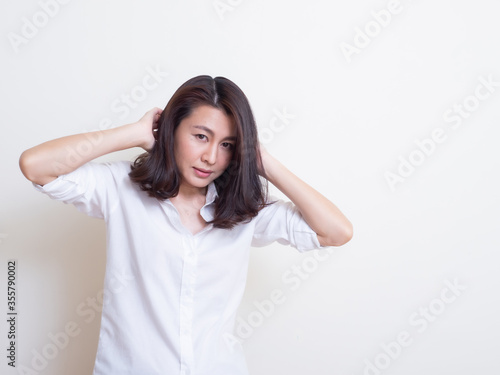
[
  {"x": 118, "y": 167},
  {"x": 274, "y": 207},
  {"x": 117, "y": 170},
  {"x": 102, "y": 176}
]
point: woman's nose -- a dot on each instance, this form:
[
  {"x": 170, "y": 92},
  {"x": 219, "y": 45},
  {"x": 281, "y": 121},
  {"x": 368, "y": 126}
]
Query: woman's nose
[{"x": 210, "y": 154}]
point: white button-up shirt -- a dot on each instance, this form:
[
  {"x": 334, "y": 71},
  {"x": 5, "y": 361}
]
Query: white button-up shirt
[{"x": 171, "y": 297}]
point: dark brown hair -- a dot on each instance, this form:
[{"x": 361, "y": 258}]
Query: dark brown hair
[{"x": 241, "y": 193}]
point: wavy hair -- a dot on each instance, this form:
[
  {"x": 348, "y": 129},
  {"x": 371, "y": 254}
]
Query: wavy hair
[{"x": 241, "y": 193}]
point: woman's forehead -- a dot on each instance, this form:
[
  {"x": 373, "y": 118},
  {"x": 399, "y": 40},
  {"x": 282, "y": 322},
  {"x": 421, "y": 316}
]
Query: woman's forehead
[{"x": 211, "y": 120}]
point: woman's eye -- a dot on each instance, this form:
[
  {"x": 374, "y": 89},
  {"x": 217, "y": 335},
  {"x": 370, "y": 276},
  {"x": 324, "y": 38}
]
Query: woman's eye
[
  {"x": 227, "y": 145},
  {"x": 200, "y": 135}
]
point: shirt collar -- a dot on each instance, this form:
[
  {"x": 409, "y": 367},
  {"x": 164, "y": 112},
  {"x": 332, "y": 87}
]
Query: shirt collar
[
  {"x": 211, "y": 193},
  {"x": 207, "y": 211}
]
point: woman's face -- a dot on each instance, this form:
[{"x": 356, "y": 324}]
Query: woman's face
[{"x": 204, "y": 141}]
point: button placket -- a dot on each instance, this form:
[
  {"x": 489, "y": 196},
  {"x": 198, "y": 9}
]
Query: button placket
[{"x": 186, "y": 304}]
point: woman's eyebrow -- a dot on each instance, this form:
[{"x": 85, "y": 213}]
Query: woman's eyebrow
[{"x": 209, "y": 131}]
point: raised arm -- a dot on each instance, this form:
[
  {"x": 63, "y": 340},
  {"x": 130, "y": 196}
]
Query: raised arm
[
  {"x": 329, "y": 223},
  {"x": 43, "y": 163}
]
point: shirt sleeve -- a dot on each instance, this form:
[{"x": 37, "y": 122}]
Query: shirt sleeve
[
  {"x": 91, "y": 188},
  {"x": 283, "y": 222}
]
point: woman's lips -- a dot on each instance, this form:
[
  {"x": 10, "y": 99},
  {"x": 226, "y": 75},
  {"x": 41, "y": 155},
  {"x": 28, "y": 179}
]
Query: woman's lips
[{"x": 202, "y": 172}]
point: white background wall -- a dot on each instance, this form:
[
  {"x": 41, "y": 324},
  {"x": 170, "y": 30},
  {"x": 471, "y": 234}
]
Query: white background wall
[{"x": 355, "y": 117}]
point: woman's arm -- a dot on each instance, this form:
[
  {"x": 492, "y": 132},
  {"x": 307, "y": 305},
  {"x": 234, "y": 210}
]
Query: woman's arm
[
  {"x": 331, "y": 226},
  {"x": 43, "y": 163}
]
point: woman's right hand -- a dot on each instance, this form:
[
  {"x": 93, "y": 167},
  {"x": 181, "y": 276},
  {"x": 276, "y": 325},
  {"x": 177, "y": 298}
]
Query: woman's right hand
[{"x": 149, "y": 126}]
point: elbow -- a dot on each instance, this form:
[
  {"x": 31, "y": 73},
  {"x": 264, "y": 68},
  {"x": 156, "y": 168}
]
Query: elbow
[
  {"x": 341, "y": 236},
  {"x": 346, "y": 235},
  {"x": 29, "y": 168},
  {"x": 25, "y": 164}
]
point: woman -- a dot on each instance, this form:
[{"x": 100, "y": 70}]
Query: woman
[{"x": 180, "y": 221}]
